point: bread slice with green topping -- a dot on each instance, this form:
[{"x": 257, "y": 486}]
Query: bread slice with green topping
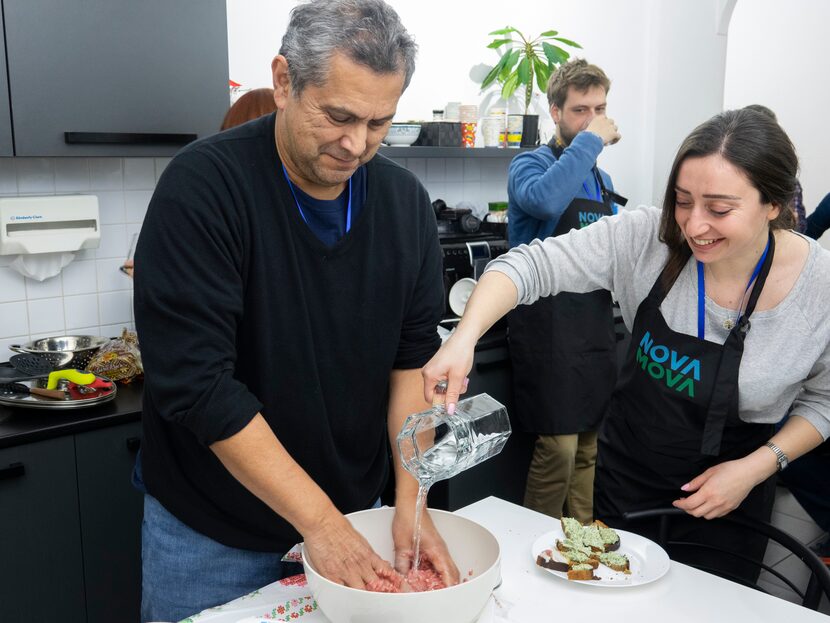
[
  {"x": 609, "y": 536},
  {"x": 571, "y": 545},
  {"x": 582, "y": 572},
  {"x": 572, "y": 528},
  {"x": 574, "y": 557},
  {"x": 591, "y": 538},
  {"x": 616, "y": 561}
]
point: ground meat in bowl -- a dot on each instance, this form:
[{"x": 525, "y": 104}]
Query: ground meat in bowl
[{"x": 424, "y": 578}]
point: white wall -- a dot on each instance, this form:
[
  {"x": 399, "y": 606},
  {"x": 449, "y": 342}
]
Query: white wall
[
  {"x": 778, "y": 55},
  {"x": 665, "y": 60},
  {"x": 453, "y": 39}
]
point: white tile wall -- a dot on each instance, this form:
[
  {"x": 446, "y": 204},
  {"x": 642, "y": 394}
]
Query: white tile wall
[
  {"x": 91, "y": 296},
  {"x": 475, "y": 180}
]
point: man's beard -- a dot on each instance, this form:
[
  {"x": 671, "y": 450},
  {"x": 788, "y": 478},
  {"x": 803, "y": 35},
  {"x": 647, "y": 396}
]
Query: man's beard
[{"x": 565, "y": 135}]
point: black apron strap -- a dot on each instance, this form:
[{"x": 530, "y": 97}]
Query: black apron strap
[
  {"x": 609, "y": 194},
  {"x": 726, "y": 382}
]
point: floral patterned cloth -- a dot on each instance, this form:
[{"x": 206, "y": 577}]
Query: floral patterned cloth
[{"x": 288, "y": 599}]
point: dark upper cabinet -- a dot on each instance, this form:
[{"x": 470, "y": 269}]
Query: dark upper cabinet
[
  {"x": 113, "y": 77},
  {"x": 5, "y": 116}
]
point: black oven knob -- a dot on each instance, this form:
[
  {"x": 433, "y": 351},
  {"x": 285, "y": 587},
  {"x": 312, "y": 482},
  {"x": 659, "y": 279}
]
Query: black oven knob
[{"x": 469, "y": 223}]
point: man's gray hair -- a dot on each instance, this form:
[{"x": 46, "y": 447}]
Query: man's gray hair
[{"x": 369, "y": 32}]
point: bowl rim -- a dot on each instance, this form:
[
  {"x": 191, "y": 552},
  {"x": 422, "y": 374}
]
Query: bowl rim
[
  {"x": 459, "y": 586},
  {"x": 97, "y": 342}
]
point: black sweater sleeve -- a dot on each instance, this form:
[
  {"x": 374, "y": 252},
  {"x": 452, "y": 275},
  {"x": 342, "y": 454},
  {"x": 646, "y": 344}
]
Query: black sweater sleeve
[
  {"x": 189, "y": 300},
  {"x": 419, "y": 339}
]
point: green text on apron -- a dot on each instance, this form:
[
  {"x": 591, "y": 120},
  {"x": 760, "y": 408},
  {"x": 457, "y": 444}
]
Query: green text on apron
[{"x": 674, "y": 415}]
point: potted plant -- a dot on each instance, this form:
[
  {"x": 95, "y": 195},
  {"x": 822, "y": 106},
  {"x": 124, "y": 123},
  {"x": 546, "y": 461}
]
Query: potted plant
[{"x": 525, "y": 63}]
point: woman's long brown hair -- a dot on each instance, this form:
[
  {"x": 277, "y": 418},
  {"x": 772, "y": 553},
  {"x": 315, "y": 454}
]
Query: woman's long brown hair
[{"x": 753, "y": 143}]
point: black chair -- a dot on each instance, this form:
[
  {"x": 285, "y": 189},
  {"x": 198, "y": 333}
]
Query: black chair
[{"x": 819, "y": 582}]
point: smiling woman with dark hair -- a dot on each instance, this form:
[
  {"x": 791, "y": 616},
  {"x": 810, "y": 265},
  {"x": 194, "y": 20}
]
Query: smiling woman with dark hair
[{"x": 727, "y": 310}]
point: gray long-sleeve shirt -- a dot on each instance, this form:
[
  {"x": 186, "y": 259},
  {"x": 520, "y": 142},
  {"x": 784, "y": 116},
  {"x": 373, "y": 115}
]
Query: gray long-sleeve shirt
[{"x": 786, "y": 358}]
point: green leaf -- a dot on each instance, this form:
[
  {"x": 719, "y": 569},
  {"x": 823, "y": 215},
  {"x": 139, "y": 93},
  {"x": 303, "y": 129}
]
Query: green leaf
[
  {"x": 542, "y": 72},
  {"x": 510, "y": 86},
  {"x": 490, "y": 77},
  {"x": 494, "y": 72},
  {"x": 563, "y": 53},
  {"x": 573, "y": 44},
  {"x": 503, "y": 31},
  {"x": 554, "y": 54},
  {"x": 510, "y": 60},
  {"x": 524, "y": 71},
  {"x": 498, "y": 43},
  {"x": 549, "y": 33}
]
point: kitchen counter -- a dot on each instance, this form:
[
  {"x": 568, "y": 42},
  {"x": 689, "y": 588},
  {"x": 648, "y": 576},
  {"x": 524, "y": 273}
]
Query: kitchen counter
[{"x": 23, "y": 425}]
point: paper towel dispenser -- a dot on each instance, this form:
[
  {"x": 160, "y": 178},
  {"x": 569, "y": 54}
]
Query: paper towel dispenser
[{"x": 48, "y": 224}]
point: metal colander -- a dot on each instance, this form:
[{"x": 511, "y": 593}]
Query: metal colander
[{"x": 64, "y": 351}]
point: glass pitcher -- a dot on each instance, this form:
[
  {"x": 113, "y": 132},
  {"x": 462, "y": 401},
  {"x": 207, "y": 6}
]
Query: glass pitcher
[{"x": 434, "y": 445}]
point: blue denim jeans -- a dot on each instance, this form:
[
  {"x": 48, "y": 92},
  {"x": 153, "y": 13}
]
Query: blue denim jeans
[{"x": 184, "y": 572}]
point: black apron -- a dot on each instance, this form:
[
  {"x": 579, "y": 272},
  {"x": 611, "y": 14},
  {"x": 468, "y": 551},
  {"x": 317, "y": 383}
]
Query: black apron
[
  {"x": 674, "y": 415},
  {"x": 563, "y": 347}
]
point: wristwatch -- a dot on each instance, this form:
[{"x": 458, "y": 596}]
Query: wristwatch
[{"x": 782, "y": 459}]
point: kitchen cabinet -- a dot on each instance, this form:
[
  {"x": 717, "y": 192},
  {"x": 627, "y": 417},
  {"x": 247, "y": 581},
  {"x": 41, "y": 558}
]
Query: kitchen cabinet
[
  {"x": 113, "y": 77},
  {"x": 111, "y": 511},
  {"x": 41, "y": 567},
  {"x": 5, "y": 115},
  {"x": 70, "y": 528}
]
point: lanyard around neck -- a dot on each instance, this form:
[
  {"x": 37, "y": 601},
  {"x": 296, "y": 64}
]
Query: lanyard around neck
[
  {"x": 701, "y": 293},
  {"x": 597, "y": 194},
  {"x": 300, "y": 208}
]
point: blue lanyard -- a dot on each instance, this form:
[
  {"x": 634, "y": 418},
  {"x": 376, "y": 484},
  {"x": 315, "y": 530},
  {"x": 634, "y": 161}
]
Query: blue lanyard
[
  {"x": 300, "y": 208},
  {"x": 701, "y": 293},
  {"x": 596, "y": 188}
]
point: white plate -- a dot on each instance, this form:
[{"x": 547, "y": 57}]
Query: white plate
[{"x": 648, "y": 561}]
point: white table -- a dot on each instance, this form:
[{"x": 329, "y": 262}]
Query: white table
[
  {"x": 529, "y": 594},
  {"x": 683, "y": 594}
]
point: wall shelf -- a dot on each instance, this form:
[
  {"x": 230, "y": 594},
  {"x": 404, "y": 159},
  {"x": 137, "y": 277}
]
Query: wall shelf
[{"x": 451, "y": 152}]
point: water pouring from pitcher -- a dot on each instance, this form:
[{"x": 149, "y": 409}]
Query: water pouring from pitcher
[{"x": 435, "y": 445}]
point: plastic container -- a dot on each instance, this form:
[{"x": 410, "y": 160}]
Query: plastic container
[
  {"x": 515, "y": 124},
  {"x": 492, "y": 129},
  {"x": 501, "y": 115}
]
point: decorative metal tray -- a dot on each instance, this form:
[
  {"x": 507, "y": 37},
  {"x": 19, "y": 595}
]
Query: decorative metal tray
[{"x": 30, "y": 401}]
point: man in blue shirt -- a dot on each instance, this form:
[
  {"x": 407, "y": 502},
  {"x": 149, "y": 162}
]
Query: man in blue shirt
[{"x": 563, "y": 347}]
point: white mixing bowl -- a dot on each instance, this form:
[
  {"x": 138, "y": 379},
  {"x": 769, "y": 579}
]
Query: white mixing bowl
[{"x": 472, "y": 547}]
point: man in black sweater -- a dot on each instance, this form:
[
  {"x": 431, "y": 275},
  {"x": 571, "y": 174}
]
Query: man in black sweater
[{"x": 289, "y": 292}]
